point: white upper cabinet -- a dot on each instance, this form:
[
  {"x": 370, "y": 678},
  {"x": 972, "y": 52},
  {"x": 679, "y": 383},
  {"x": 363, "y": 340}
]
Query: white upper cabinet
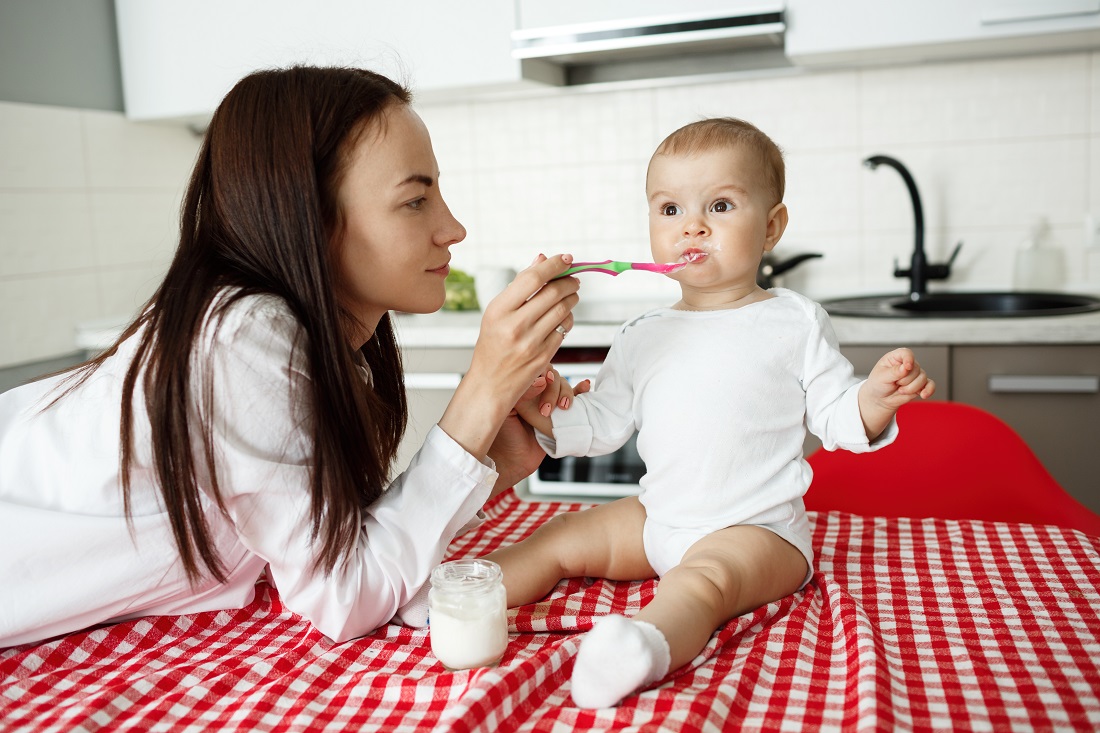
[
  {"x": 180, "y": 57},
  {"x": 855, "y": 32}
]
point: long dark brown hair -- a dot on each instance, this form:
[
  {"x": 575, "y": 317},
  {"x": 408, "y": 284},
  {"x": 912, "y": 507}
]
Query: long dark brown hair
[{"x": 261, "y": 215}]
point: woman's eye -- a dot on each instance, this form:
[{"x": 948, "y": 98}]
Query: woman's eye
[
  {"x": 670, "y": 210},
  {"x": 416, "y": 204},
  {"x": 721, "y": 207}
]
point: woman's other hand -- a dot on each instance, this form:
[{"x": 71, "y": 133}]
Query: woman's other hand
[
  {"x": 521, "y": 330},
  {"x": 516, "y": 451}
]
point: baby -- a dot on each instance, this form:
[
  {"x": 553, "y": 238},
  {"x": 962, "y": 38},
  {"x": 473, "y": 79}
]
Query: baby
[{"x": 720, "y": 388}]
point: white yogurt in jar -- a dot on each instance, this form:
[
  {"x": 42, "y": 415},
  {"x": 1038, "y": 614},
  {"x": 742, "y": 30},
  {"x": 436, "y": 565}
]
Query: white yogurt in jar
[{"x": 467, "y": 614}]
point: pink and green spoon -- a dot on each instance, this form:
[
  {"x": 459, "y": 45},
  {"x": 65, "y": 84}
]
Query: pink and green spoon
[{"x": 614, "y": 267}]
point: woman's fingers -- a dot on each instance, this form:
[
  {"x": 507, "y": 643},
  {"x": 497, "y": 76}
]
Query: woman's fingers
[
  {"x": 531, "y": 281},
  {"x": 522, "y": 328}
]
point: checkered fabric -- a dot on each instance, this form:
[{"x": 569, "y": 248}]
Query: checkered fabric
[{"x": 907, "y": 625}]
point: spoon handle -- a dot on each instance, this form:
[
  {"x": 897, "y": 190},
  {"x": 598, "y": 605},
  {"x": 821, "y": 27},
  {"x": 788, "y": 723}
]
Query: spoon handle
[{"x": 614, "y": 267}]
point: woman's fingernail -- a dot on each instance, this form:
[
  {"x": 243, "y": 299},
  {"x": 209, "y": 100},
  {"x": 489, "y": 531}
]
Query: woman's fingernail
[
  {"x": 550, "y": 376},
  {"x": 564, "y": 402},
  {"x": 545, "y": 410},
  {"x": 567, "y": 259}
]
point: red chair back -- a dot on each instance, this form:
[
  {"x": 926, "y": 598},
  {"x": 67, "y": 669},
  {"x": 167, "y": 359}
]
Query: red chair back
[{"x": 952, "y": 461}]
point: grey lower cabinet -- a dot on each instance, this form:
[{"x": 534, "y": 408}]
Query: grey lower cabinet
[{"x": 1050, "y": 395}]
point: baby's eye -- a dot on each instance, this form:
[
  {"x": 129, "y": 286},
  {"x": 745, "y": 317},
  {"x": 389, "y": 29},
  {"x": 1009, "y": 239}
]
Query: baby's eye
[
  {"x": 670, "y": 210},
  {"x": 721, "y": 207}
]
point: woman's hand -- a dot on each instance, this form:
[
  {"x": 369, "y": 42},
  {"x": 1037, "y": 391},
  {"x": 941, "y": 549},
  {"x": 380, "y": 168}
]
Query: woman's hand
[
  {"x": 521, "y": 330},
  {"x": 515, "y": 451}
]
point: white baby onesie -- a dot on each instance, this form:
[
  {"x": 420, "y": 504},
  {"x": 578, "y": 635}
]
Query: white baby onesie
[{"x": 721, "y": 401}]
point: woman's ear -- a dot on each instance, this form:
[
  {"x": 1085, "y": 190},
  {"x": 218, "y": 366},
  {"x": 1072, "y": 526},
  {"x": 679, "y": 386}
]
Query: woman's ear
[{"x": 777, "y": 224}]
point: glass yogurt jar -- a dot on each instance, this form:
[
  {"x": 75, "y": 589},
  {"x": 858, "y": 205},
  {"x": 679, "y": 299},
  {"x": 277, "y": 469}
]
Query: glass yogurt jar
[{"x": 467, "y": 614}]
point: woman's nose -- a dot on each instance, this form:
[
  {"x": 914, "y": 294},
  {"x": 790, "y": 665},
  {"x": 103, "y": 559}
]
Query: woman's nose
[{"x": 452, "y": 231}]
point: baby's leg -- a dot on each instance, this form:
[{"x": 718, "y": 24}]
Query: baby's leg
[
  {"x": 601, "y": 542},
  {"x": 723, "y": 575}
]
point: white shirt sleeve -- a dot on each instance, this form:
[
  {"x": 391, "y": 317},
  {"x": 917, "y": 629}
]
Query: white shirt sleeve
[
  {"x": 260, "y": 412},
  {"x": 600, "y": 421},
  {"x": 832, "y": 394}
]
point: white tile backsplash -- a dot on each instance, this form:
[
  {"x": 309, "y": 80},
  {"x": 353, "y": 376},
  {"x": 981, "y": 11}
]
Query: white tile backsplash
[
  {"x": 89, "y": 201},
  {"x": 40, "y": 314},
  {"x": 976, "y": 101},
  {"x": 44, "y": 231},
  {"x": 137, "y": 155},
  {"x": 41, "y": 147},
  {"x": 134, "y": 227}
]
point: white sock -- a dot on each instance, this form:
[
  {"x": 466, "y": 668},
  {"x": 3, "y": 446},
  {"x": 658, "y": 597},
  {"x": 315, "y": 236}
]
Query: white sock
[
  {"x": 414, "y": 614},
  {"x": 616, "y": 657}
]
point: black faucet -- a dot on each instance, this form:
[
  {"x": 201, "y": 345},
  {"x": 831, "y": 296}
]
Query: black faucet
[{"x": 920, "y": 271}]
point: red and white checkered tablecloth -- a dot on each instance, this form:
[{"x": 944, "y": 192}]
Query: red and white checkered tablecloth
[{"x": 907, "y": 625}]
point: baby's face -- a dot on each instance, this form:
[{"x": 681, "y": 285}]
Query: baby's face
[{"x": 710, "y": 209}]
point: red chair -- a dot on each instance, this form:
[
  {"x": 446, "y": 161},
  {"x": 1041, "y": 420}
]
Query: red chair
[{"x": 952, "y": 461}]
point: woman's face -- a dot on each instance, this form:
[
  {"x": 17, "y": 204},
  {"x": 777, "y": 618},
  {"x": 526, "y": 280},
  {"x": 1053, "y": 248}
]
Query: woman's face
[{"x": 394, "y": 249}]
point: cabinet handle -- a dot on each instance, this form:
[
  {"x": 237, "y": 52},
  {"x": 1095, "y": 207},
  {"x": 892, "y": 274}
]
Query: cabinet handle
[
  {"x": 1020, "y": 383},
  {"x": 432, "y": 380}
]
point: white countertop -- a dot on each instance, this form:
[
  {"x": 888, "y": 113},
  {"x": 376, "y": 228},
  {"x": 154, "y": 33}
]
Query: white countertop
[
  {"x": 460, "y": 329},
  {"x": 597, "y": 323}
]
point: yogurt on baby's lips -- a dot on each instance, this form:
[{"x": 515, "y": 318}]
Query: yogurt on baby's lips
[{"x": 694, "y": 251}]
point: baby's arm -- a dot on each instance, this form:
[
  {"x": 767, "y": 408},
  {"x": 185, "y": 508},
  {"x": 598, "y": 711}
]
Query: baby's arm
[{"x": 896, "y": 379}]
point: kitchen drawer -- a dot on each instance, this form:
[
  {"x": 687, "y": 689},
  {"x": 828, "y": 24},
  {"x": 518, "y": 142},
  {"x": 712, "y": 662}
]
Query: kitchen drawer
[
  {"x": 935, "y": 360},
  {"x": 1050, "y": 395}
]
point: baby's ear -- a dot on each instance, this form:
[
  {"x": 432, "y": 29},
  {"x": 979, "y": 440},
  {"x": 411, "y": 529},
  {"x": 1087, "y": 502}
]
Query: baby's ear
[{"x": 777, "y": 224}]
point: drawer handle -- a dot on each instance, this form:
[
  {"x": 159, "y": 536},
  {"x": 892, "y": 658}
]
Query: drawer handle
[
  {"x": 432, "y": 380},
  {"x": 1049, "y": 384}
]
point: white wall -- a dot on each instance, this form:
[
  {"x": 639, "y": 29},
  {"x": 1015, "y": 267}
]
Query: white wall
[{"x": 89, "y": 201}]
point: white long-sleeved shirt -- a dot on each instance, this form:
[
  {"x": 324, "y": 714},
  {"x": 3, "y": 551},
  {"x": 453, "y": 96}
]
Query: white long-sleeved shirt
[
  {"x": 69, "y": 560},
  {"x": 720, "y": 401}
]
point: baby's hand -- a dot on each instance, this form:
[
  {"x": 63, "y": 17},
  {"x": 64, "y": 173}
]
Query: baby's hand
[
  {"x": 897, "y": 378},
  {"x": 548, "y": 391},
  {"x": 558, "y": 392}
]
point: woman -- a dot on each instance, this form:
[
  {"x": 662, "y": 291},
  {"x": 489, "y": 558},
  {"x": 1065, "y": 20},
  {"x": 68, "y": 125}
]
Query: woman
[{"x": 249, "y": 417}]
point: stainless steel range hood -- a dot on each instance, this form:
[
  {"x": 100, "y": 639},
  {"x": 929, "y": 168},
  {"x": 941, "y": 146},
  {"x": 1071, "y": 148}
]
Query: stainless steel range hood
[{"x": 700, "y": 37}]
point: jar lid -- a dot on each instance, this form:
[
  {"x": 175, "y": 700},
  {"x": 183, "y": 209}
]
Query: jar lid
[{"x": 466, "y": 575}]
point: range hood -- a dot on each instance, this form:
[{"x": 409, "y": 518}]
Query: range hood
[{"x": 696, "y": 38}]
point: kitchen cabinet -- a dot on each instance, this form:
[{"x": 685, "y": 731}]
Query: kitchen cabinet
[
  {"x": 542, "y": 14},
  {"x": 864, "y": 32},
  {"x": 1050, "y": 395},
  {"x": 180, "y": 57}
]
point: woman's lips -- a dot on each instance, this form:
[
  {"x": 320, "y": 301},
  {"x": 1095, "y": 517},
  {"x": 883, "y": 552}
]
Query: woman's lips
[{"x": 444, "y": 270}]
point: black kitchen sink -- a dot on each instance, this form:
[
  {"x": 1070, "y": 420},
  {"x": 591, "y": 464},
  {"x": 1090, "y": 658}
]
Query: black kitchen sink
[{"x": 963, "y": 305}]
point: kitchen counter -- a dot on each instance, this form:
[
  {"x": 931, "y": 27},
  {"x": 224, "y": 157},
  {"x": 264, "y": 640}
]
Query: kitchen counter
[{"x": 597, "y": 323}]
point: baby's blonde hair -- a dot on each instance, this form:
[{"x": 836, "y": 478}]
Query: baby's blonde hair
[{"x": 730, "y": 132}]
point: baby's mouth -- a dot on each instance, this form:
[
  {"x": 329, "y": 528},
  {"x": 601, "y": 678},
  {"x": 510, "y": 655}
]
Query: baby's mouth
[{"x": 693, "y": 254}]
